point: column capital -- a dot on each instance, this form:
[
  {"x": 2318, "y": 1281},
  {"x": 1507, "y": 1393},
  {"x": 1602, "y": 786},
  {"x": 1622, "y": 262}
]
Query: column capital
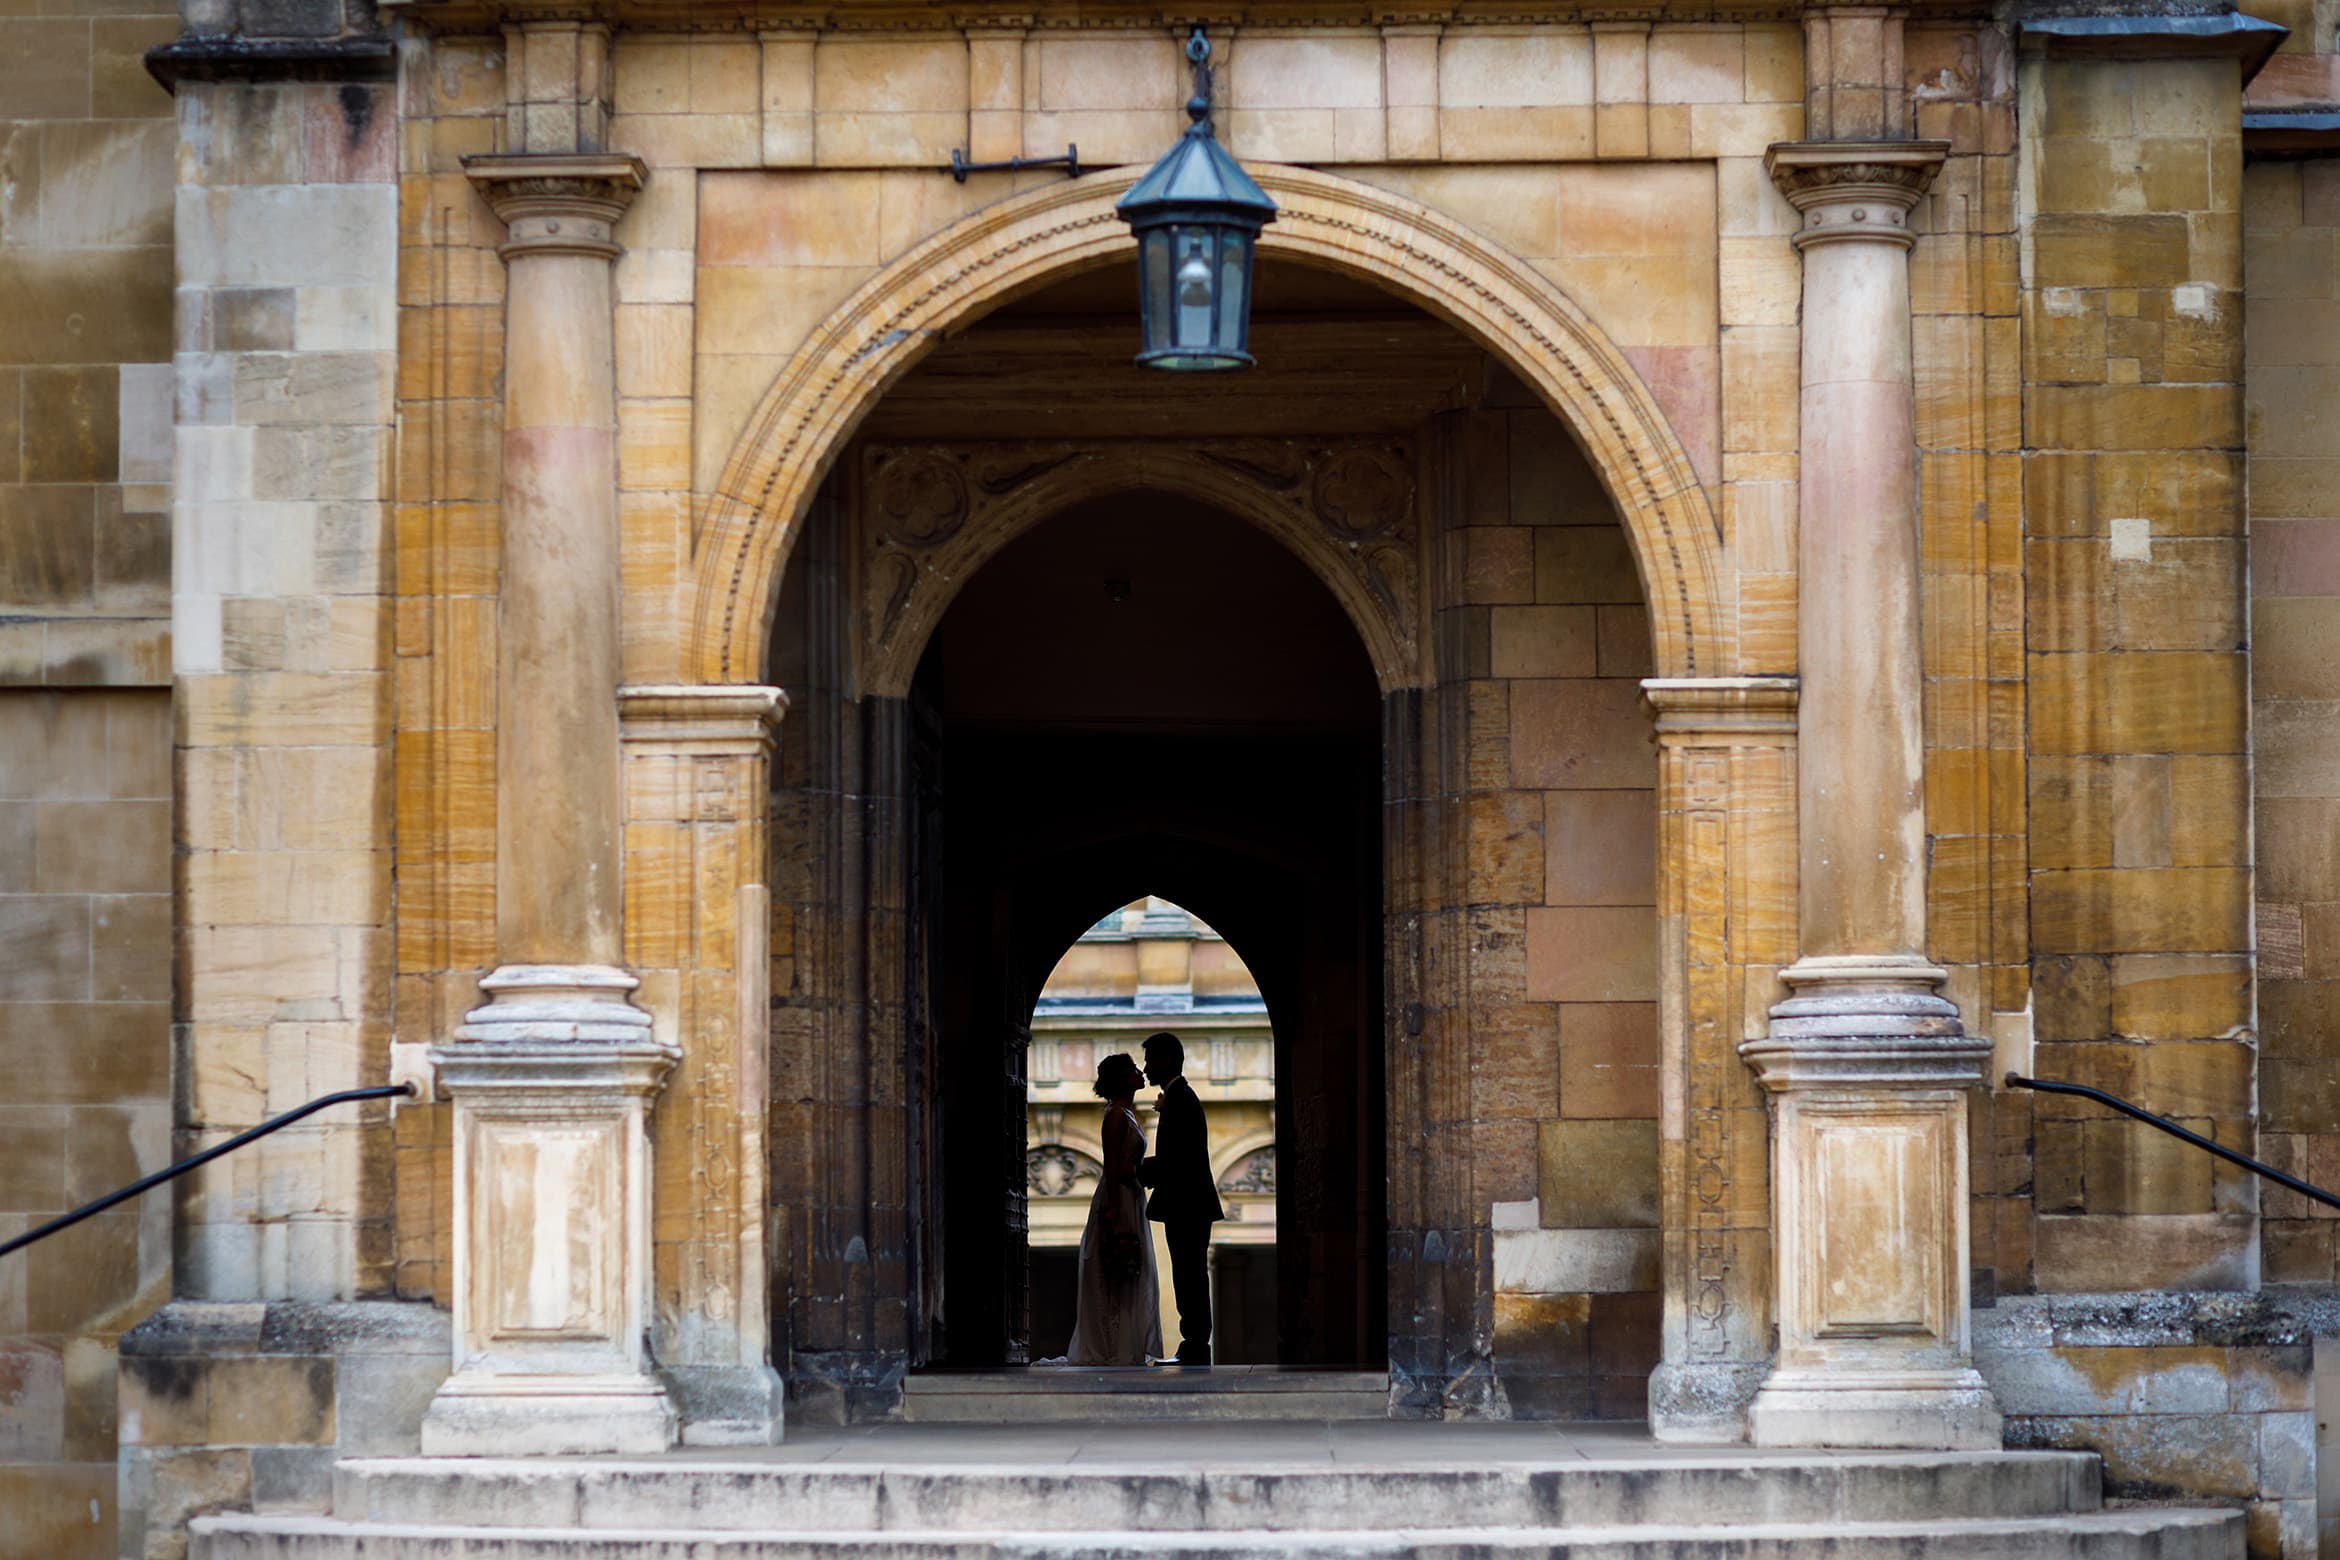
[
  {"x": 1854, "y": 190},
  {"x": 558, "y": 203}
]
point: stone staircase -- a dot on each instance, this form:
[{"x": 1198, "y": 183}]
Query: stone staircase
[{"x": 1257, "y": 1492}]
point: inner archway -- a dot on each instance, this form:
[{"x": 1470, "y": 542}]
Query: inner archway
[{"x": 1145, "y": 693}]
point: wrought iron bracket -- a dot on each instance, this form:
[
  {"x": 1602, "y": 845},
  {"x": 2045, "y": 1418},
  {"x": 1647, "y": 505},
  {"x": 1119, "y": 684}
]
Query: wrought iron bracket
[{"x": 1070, "y": 162}]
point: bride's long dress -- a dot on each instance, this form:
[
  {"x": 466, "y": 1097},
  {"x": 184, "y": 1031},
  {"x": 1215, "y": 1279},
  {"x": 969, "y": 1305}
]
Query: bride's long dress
[{"x": 1118, "y": 1320}]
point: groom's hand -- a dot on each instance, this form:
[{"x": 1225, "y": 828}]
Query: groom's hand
[{"x": 1146, "y": 1171}]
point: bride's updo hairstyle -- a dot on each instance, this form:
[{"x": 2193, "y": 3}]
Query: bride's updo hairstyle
[{"x": 1116, "y": 1075}]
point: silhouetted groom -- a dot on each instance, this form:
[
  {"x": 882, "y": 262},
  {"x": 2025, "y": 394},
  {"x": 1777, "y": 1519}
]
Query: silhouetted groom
[{"x": 1186, "y": 1200}]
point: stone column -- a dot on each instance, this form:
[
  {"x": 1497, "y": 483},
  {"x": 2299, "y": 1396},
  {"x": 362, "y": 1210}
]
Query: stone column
[
  {"x": 1866, "y": 1063},
  {"x": 552, "y": 1077}
]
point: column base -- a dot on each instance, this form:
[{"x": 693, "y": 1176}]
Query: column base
[
  {"x": 547, "y": 1416},
  {"x": 1702, "y": 1402},
  {"x": 727, "y": 1405},
  {"x": 534, "y": 1002},
  {"x": 1951, "y": 1411},
  {"x": 552, "y": 1081}
]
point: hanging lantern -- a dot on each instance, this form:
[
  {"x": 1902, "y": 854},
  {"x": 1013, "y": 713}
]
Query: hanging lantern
[{"x": 1196, "y": 214}]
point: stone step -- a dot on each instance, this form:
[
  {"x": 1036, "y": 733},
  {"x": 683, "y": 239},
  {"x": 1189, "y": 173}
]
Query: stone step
[
  {"x": 1159, "y": 1394},
  {"x": 2106, "y": 1535},
  {"x": 834, "y": 1495}
]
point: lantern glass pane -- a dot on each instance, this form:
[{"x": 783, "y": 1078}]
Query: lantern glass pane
[
  {"x": 1234, "y": 273},
  {"x": 1154, "y": 310},
  {"x": 1194, "y": 279}
]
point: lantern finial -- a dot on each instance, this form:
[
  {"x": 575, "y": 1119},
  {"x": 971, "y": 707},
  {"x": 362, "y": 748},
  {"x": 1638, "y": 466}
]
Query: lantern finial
[
  {"x": 1196, "y": 214},
  {"x": 1198, "y": 54}
]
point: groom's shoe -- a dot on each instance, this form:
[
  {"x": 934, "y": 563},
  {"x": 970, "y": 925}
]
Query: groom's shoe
[{"x": 1192, "y": 1358}]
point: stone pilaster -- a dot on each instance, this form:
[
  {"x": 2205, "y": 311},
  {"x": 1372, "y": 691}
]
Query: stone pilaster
[
  {"x": 697, "y": 763},
  {"x": 1867, "y": 1062},
  {"x": 1726, "y": 921},
  {"x": 553, "y": 1076}
]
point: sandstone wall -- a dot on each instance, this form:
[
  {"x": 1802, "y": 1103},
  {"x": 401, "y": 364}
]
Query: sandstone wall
[
  {"x": 2138, "y": 710},
  {"x": 86, "y": 146},
  {"x": 2291, "y": 213}
]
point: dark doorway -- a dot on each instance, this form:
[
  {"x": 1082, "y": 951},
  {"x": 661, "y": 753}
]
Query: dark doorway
[{"x": 1144, "y": 696}]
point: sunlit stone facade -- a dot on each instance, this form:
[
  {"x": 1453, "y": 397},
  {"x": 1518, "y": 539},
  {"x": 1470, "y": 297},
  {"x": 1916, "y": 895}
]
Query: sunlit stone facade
[{"x": 1776, "y": 567}]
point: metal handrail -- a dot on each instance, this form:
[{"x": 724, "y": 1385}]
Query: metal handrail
[
  {"x": 173, "y": 1172},
  {"x": 2268, "y": 1172}
]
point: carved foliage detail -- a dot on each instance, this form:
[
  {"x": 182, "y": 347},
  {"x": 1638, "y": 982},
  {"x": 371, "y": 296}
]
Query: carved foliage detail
[
  {"x": 929, "y": 515},
  {"x": 1254, "y": 1172},
  {"x": 1053, "y": 1170}
]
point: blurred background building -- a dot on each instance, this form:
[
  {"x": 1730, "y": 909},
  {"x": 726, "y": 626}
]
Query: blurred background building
[{"x": 1148, "y": 966}]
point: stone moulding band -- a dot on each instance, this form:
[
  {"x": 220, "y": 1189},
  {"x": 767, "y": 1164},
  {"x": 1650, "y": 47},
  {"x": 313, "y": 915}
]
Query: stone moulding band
[
  {"x": 705, "y": 717},
  {"x": 1683, "y": 707}
]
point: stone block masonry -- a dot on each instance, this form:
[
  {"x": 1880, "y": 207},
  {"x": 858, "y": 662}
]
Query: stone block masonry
[
  {"x": 86, "y": 151},
  {"x": 85, "y": 1087},
  {"x": 2291, "y": 219},
  {"x": 2200, "y": 1399},
  {"x": 2140, "y": 860},
  {"x": 245, "y": 1406},
  {"x": 282, "y": 652}
]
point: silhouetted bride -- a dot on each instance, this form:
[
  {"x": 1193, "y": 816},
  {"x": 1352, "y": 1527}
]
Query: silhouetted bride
[{"x": 1119, "y": 1316}]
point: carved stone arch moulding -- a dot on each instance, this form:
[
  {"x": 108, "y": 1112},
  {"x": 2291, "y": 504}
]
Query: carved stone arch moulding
[
  {"x": 845, "y": 366},
  {"x": 928, "y": 516}
]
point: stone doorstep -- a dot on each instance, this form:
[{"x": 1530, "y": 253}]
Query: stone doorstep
[
  {"x": 2108, "y": 1535},
  {"x": 1084, "y": 1394},
  {"x": 1216, "y": 1480},
  {"x": 1104, "y": 1408},
  {"x": 1153, "y": 1380}
]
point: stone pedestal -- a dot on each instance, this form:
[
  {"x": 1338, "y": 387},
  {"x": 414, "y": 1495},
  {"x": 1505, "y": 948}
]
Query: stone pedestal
[
  {"x": 1868, "y": 1070},
  {"x": 553, "y": 1076},
  {"x": 1867, "y": 1064},
  {"x": 552, "y": 1083}
]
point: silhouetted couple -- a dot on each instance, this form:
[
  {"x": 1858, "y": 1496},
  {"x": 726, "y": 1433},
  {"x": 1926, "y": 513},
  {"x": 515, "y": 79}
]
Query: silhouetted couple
[{"x": 1119, "y": 1318}]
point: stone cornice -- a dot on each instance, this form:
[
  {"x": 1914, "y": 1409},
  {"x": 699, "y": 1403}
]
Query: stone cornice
[
  {"x": 368, "y": 58},
  {"x": 2250, "y": 40},
  {"x": 1702, "y": 709},
  {"x": 703, "y": 717},
  {"x": 561, "y": 203},
  {"x": 907, "y": 16}
]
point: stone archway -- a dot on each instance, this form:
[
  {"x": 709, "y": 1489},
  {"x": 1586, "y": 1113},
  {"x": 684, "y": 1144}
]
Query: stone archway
[
  {"x": 1725, "y": 912},
  {"x": 845, "y": 366}
]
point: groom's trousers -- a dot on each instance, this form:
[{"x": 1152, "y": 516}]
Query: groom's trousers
[{"x": 1189, "y": 1241}]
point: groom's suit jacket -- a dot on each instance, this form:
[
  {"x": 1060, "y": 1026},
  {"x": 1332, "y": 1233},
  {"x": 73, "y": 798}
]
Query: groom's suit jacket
[{"x": 1183, "y": 1188}]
